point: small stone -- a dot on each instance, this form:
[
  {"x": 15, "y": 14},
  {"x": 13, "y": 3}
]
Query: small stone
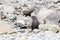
[
  {"x": 36, "y": 31},
  {"x": 20, "y": 23}
]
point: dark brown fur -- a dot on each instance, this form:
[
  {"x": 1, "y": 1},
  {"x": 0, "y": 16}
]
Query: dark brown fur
[{"x": 35, "y": 23}]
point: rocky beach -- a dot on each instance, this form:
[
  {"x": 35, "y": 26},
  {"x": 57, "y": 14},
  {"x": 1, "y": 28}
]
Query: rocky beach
[{"x": 29, "y": 19}]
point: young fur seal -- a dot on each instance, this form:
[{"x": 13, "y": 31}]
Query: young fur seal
[{"x": 35, "y": 23}]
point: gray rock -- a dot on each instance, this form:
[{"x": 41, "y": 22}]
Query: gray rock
[
  {"x": 28, "y": 11},
  {"x": 54, "y": 18},
  {"x": 23, "y": 21},
  {"x": 43, "y": 14},
  {"x": 20, "y": 23}
]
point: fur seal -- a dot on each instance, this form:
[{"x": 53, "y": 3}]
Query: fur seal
[{"x": 35, "y": 23}]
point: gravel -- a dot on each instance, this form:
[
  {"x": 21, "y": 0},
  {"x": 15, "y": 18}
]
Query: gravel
[{"x": 13, "y": 14}]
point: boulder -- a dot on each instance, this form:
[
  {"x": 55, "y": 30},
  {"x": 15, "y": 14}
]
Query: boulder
[
  {"x": 28, "y": 11},
  {"x": 23, "y": 21},
  {"x": 8, "y": 8},
  {"x": 53, "y": 18},
  {"x": 43, "y": 13},
  {"x": 49, "y": 27},
  {"x": 5, "y": 27}
]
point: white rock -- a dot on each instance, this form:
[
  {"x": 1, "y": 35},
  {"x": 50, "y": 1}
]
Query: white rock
[
  {"x": 28, "y": 21},
  {"x": 53, "y": 18},
  {"x": 52, "y": 0},
  {"x": 49, "y": 27},
  {"x": 43, "y": 13},
  {"x": 5, "y": 27},
  {"x": 28, "y": 10},
  {"x": 48, "y": 35},
  {"x": 38, "y": 36},
  {"x": 8, "y": 8},
  {"x": 20, "y": 23},
  {"x": 36, "y": 30}
]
